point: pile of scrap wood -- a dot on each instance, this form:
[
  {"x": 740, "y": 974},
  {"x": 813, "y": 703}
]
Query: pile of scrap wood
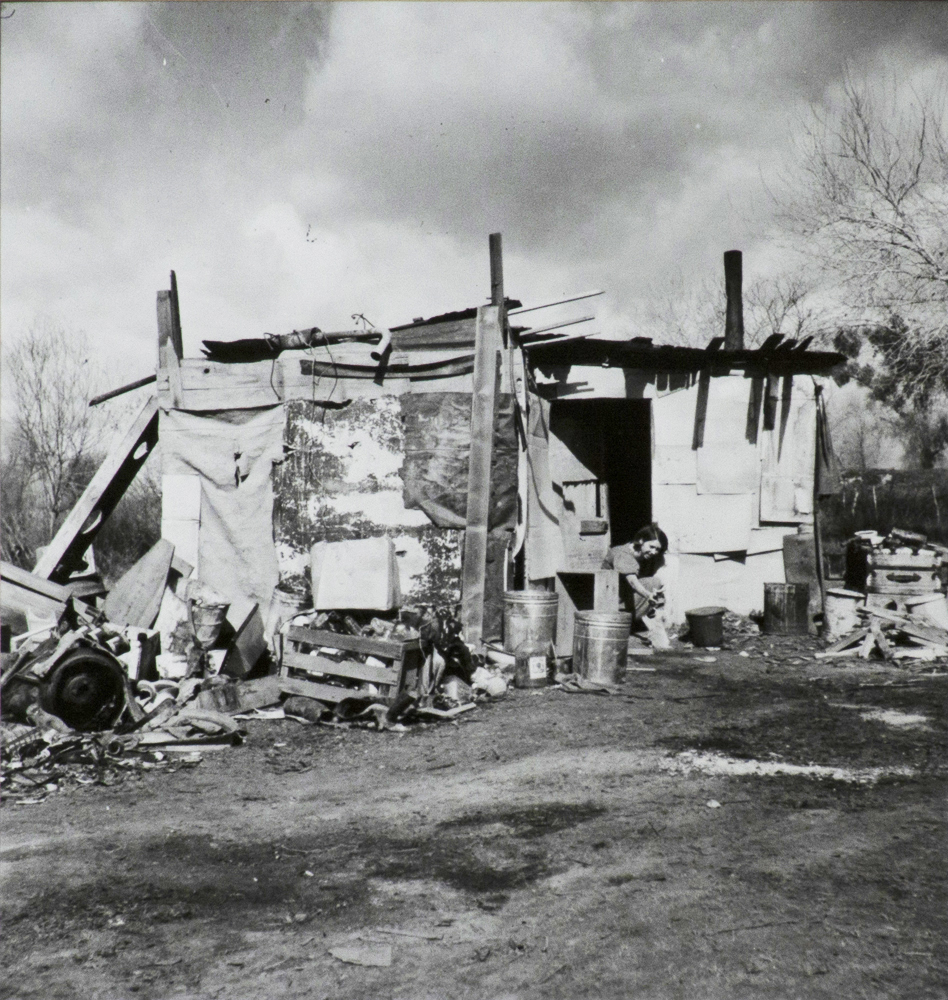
[{"x": 891, "y": 635}]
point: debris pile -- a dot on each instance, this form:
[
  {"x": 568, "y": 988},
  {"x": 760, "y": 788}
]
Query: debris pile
[{"x": 891, "y": 636}]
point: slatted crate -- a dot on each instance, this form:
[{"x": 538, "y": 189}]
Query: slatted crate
[{"x": 334, "y": 681}]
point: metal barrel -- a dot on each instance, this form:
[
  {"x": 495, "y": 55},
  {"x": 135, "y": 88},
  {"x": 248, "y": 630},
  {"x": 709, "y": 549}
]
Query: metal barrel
[
  {"x": 786, "y": 609},
  {"x": 529, "y": 617},
  {"x": 601, "y": 645}
]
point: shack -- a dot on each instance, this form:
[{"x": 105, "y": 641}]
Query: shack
[{"x": 493, "y": 454}]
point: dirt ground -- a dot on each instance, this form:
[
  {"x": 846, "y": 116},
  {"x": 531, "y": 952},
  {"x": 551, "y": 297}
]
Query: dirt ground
[{"x": 549, "y": 845}]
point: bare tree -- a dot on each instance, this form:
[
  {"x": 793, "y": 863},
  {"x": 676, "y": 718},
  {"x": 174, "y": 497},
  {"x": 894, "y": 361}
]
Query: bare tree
[
  {"x": 55, "y": 443},
  {"x": 869, "y": 200},
  {"x": 690, "y": 314},
  {"x": 50, "y": 379}
]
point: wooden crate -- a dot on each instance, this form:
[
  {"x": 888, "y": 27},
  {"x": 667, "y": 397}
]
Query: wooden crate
[{"x": 329, "y": 680}]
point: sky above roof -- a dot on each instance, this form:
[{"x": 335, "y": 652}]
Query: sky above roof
[{"x": 296, "y": 163}]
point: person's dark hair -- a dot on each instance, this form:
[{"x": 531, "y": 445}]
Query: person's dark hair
[{"x": 651, "y": 533}]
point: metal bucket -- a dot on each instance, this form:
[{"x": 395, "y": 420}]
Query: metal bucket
[
  {"x": 206, "y": 620},
  {"x": 706, "y": 626},
  {"x": 786, "y": 609},
  {"x": 930, "y": 607},
  {"x": 839, "y": 613},
  {"x": 601, "y": 645},
  {"x": 529, "y": 617}
]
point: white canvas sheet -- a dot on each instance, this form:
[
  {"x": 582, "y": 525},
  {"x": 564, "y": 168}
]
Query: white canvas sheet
[{"x": 233, "y": 454}]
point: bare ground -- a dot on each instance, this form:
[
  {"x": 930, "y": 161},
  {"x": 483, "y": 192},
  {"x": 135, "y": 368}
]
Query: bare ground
[{"x": 549, "y": 845}]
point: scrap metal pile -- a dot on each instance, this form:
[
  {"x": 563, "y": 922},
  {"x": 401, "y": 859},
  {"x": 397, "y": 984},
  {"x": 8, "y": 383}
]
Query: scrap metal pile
[{"x": 87, "y": 700}]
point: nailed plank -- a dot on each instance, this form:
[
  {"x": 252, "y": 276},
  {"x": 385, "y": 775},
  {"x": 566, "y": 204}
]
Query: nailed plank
[
  {"x": 321, "y": 692},
  {"x": 30, "y": 581},
  {"x": 384, "y": 648},
  {"x": 451, "y": 333},
  {"x": 314, "y": 664},
  {"x": 64, "y": 553},
  {"x": 136, "y": 598},
  {"x": 483, "y": 416},
  {"x": 215, "y": 385}
]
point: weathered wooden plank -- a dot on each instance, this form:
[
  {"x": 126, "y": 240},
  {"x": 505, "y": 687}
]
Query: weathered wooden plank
[
  {"x": 310, "y": 689},
  {"x": 383, "y": 648},
  {"x": 136, "y": 598},
  {"x": 483, "y": 416},
  {"x": 18, "y": 598},
  {"x": 215, "y": 385},
  {"x": 30, "y": 581},
  {"x": 170, "y": 347},
  {"x": 64, "y": 553},
  {"x": 314, "y": 664},
  {"x": 451, "y": 333}
]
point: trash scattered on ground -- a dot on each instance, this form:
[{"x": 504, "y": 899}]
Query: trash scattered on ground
[{"x": 374, "y": 955}]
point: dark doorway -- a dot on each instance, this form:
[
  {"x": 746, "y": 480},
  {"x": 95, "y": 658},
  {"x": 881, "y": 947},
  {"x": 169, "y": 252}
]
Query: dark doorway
[{"x": 612, "y": 438}]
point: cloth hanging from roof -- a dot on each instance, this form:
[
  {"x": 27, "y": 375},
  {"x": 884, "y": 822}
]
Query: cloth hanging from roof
[
  {"x": 544, "y": 545},
  {"x": 828, "y": 478},
  {"x": 233, "y": 453},
  {"x": 437, "y": 454}
]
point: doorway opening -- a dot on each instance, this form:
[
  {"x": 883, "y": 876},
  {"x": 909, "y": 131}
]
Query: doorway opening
[{"x": 601, "y": 453}]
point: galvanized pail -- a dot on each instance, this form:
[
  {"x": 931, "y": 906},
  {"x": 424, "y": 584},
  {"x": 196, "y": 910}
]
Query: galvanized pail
[
  {"x": 601, "y": 645},
  {"x": 529, "y": 617}
]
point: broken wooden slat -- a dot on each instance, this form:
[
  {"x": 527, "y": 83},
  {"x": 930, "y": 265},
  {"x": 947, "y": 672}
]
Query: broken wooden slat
[
  {"x": 452, "y": 333},
  {"x": 147, "y": 380},
  {"x": 63, "y": 555},
  {"x": 853, "y": 639},
  {"x": 315, "y": 664},
  {"x": 321, "y": 692},
  {"x": 136, "y": 598},
  {"x": 29, "y": 602},
  {"x": 384, "y": 648},
  {"x": 882, "y": 644},
  {"x": 933, "y": 635},
  {"x": 30, "y": 581},
  {"x": 483, "y": 416}
]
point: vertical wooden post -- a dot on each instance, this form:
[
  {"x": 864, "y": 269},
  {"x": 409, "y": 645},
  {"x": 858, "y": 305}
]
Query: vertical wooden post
[
  {"x": 170, "y": 347},
  {"x": 487, "y": 344},
  {"x": 734, "y": 318},
  {"x": 496, "y": 269}
]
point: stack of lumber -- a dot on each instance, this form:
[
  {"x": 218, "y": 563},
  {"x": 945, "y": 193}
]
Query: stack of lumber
[{"x": 892, "y": 636}]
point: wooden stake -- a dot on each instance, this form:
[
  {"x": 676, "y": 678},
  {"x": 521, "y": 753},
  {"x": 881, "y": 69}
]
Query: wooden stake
[
  {"x": 483, "y": 413},
  {"x": 170, "y": 349}
]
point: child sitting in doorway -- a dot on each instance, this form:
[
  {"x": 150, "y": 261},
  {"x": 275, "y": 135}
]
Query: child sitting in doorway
[{"x": 638, "y": 561}]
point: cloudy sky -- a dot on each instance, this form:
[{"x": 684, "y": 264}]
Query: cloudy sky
[{"x": 297, "y": 163}]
